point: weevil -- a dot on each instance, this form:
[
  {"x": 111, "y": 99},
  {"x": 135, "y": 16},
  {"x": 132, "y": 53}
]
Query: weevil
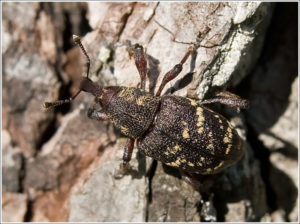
[{"x": 178, "y": 131}]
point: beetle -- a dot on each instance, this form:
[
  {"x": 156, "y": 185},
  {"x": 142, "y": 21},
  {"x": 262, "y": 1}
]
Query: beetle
[{"x": 178, "y": 131}]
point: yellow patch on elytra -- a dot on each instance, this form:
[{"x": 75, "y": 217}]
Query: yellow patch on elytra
[
  {"x": 208, "y": 170},
  {"x": 124, "y": 130},
  {"x": 173, "y": 150},
  {"x": 191, "y": 164},
  {"x": 222, "y": 127},
  {"x": 220, "y": 121},
  {"x": 139, "y": 101},
  {"x": 166, "y": 153},
  {"x": 210, "y": 146},
  {"x": 177, "y": 163},
  {"x": 226, "y": 139},
  {"x": 185, "y": 133},
  {"x": 219, "y": 165},
  {"x": 210, "y": 134},
  {"x": 200, "y": 130},
  {"x": 229, "y": 132},
  {"x": 202, "y": 158},
  {"x": 200, "y": 120},
  {"x": 183, "y": 161},
  {"x": 176, "y": 148},
  {"x": 193, "y": 102},
  {"x": 174, "y": 164},
  {"x": 228, "y": 149},
  {"x": 200, "y": 164}
]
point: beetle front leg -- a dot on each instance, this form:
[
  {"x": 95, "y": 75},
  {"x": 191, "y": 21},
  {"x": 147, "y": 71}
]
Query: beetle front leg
[
  {"x": 228, "y": 99},
  {"x": 128, "y": 152},
  {"x": 140, "y": 61},
  {"x": 96, "y": 115}
]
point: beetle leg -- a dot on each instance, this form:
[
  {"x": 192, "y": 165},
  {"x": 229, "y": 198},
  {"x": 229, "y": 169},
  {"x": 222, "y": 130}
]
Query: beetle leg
[
  {"x": 174, "y": 71},
  {"x": 228, "y": 99},
  {"x": 190, "y": 179},
  {"x": 128, "y": 152},
  {"x": 140, "y": 61},
  {"x": 96, "y": 115}
]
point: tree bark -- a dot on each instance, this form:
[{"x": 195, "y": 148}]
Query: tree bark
[{"x": 66, "y": 167}]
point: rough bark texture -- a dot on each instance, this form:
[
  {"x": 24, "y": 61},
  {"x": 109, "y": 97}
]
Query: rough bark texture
[{"x": 58, "y": 165}]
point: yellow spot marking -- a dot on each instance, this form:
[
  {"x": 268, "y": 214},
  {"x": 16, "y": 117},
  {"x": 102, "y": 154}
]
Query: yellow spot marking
[
  {"x": 220, "y": 164},
  {"x": 226, "y": 140},
  {"x": 200, "y": 120},
  {"x": 176, "y": 149},
  {"x": 185, "y": 133},
  {"x": 228, "y": 149},
  {"x": 174, "y": 164},
  {"x": 166, "y": 153},
  {"x": 229, "y": 131},
  {"x": 183, "y": 161},
  {"x": 200, "y": 164},
  {"x": 173, "y": 150},
  {"x": 124, "y": 130},
  {"x": 210, "y": 134},
  {"x": 222, "y": 127},
  {"x": 220, "y": 121},
  {"x": 139, "y": 101},
  {"x": 142, "y": 100},
  {"x": 191, "y": 164},
  {"x": 208, "y": 170},
  {"x": 202, "y": 159},
  {"x": 127, "y": 94},
  {"x": 193, "y": 102},
  {"x": 177, "y": 163},
  {"x": 216, "y": 116},
  {"x": 210, "y": 146}
]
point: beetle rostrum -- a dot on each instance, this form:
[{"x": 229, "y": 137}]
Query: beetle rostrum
[{"x": 178, "y": 131}]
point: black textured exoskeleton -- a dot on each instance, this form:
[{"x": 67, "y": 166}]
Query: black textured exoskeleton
[{"x": 177, "y": 131}]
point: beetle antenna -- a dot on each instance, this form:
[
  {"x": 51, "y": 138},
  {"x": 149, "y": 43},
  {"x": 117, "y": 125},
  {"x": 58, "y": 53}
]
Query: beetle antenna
[
  {"x": 49, "y": 105},
  {"x": 77, "y": 41}
]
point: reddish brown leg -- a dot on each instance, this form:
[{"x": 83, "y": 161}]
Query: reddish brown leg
[
  {"x": 190, "y": 179},
  {"x": 174, "y": 71},
  {"x": 140, "y": 61},
  {"x": 128, "y": 152}
]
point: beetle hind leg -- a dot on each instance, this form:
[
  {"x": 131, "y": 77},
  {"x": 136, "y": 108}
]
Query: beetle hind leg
[
  {"x": 228, "y": 99},
  {"x": 191, "y": 180},
  {"x": 174, "y": 71}
]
